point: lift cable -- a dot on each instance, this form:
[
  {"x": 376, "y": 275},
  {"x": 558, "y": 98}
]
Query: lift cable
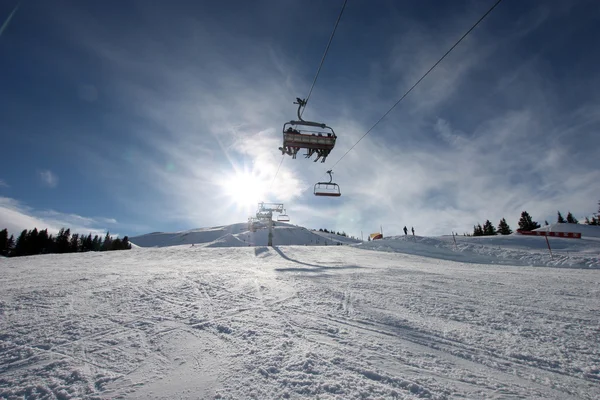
[
  {"x": 419, "y": 81},
  {"x": 324, "y": 55},
  {"x": 273, "y": 181}
]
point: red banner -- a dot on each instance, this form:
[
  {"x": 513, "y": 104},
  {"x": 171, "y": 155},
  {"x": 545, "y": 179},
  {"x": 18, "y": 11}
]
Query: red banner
[{"x": 572, "y": 235}]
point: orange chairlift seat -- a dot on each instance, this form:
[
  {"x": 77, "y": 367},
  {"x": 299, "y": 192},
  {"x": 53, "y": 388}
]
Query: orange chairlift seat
[
  {"x": 327, "y": 188},
  {"x": 317, "y": 138}
]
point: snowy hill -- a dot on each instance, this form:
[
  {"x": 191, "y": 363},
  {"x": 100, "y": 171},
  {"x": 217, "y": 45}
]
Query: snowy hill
[
  {"x": 238, "y": 235},
  {"x": 295, "y": 322},
  {"x": 507, "y": 250},
  {"x": 587, "y": 231},
  {"x": 512, "y": 249}
]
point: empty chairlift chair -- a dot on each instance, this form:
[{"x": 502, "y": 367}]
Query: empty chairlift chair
[
  {"x": 330, "y": 188},
  {"x": 283, "y": 217}
]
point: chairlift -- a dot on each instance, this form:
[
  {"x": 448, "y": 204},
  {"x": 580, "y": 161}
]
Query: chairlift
[
  {"x": 283, "y": 217},
  {"x": 316, "y": 137},
  {"x": 329, "y": 189}
]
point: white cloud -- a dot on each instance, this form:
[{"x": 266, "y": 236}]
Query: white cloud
[
  {"x": 3, "y": 184},
  {"x": 48, "y": 178},
  {"x": 450, "y": 156},
  {"x": 16, "y": 217}
]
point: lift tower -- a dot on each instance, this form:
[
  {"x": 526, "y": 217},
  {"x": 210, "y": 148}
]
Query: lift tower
[{"x": 265, "y": 212}]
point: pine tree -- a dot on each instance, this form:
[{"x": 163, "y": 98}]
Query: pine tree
[
  {"x": 488, "y": 228},
  {"x": 43, "y": 242},
  {"x": 587, "y": 221},
  {"x": 4, "y": 242},
  {"x": 526, "y": 223},
  {"x": 560, "y": 219},
  {"x": 33, "y": 243},
  {"x": 503, "y": 227},
  {"x": 21, "y": 245},
  {"x": 74, "y": 243},
  {"x": 96, "y": 243},
  {"x": 116, "y": 244},
  {"x": 478, "y": 230},
  {"x": 62, "y": 240},
  {"x": 126, "y": 244},
  {"x": 571, "y": 219},
  {"x": 107, "y": 242},
  {"x": 10, "y": 245},
  {"x": 87, "y": 243}
]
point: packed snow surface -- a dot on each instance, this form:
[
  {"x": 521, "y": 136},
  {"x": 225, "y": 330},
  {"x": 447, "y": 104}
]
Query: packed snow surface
[
  {"x": 335, "y": 322},
  {"x": 508, "y": 250}
]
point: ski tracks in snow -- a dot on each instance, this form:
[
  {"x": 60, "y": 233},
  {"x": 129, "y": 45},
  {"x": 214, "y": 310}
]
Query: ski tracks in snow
[{"x": 294, "y": 322}]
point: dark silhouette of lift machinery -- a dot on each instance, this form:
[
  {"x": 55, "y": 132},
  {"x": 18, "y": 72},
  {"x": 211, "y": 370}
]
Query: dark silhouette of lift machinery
[
  {"x": 329, "y": 189},
  {"x": 316, "y": 137},
  {"x": 264, "y": 218}
]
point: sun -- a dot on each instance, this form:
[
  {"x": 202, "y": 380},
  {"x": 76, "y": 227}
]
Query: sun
[{"x": 244, "y": 188}]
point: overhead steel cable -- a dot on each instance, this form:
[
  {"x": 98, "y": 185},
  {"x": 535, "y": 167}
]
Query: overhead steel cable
[
  {"x": 420, "y": 79},
  {"x": 324, "y": 56},
  {"x": 273, "y": 181}
]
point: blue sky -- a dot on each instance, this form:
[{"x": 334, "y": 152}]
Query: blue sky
[{"x": 144, "y": 116}]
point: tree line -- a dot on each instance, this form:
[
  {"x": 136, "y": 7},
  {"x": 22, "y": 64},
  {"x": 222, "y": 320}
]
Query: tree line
[
  {"x": 527, "y": 223},
  {"x": 31, "y": 242},
  {"x": 334, "y": 232}
]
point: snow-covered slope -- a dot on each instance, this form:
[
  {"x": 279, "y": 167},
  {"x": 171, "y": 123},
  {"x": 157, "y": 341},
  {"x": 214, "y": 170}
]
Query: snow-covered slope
[
  {"x": 587, "y": 231},
  {"x": 294, "y": 322},
  {"x": 507, "y": 250},
  {"x": 237, "y": 235}
]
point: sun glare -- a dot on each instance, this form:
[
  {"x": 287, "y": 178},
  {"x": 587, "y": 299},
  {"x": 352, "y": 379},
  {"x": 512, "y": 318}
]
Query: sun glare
[{"x": 244, "y": 189}]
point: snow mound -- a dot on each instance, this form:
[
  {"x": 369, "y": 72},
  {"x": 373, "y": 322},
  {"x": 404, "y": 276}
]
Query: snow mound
[
  {"x": 238, "y": 235},
  {"x": 228, "y": 240},
  {"x": 194, "y": 236},
  {"x": 506, "y": 250},
  {"x": 587, "y": 231}
]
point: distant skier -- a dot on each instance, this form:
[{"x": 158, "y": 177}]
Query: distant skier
[
  {"x": 405, "y": 231},
  {"x": 412, "y": 228}
]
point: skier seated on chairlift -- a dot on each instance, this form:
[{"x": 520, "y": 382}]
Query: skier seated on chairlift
[
  {"x": 292, "y": 130},
  {"x": 322, "y": 153},
  {"x": 310, "y": 152},
  {"x": 290, "y": 151}
]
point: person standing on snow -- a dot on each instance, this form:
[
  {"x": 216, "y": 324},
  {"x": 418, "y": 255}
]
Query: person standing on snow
[
  {"x": 412, "y": 228},
  {"x": 405, "y": 231}
]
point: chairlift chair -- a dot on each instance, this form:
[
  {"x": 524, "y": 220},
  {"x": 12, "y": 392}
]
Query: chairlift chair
[
  {"x": 283, "y": 217},
  {"x": 329, "y": 189},
  {"x": 315, "y": 137}
]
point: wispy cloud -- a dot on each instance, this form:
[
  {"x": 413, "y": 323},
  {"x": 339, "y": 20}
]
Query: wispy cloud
[
  {"x": 3, "y": 184},
  {"x": 48, "y": 178},
  {"x": 16, "y": 216},
  {"x": 7, "y": 20},
  {"x": 485, "y": 136}
]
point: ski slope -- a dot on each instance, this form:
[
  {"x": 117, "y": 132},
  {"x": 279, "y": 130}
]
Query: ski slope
[
  {"x": 506, "y": 250},
  {"x": 237, "y": 235},
  {"x": 587, "y": 231},
  {"x": 295, "y": 322}
]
